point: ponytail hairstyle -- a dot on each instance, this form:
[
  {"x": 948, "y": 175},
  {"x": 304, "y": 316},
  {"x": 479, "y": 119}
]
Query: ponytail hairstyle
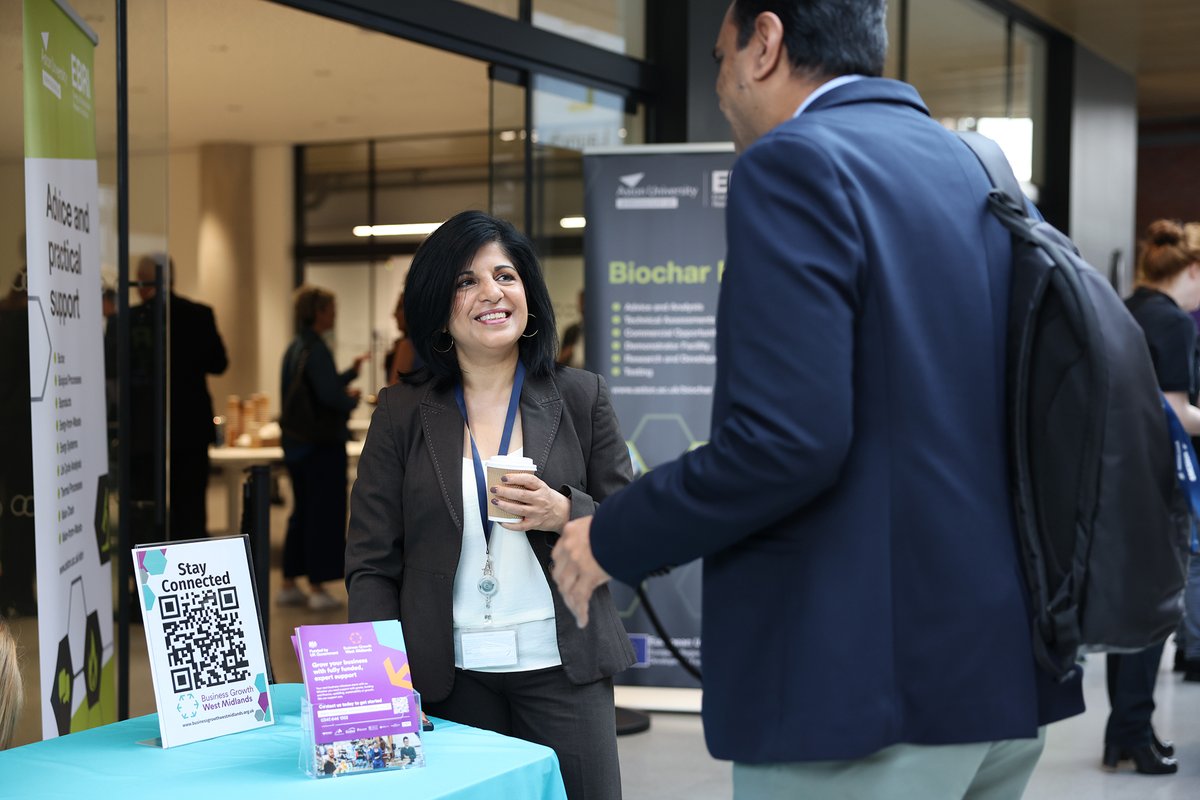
[{"x": 1165, "y": 253}]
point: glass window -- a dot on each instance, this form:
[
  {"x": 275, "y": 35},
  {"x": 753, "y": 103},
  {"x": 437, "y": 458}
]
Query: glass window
[
  {"x": 616, "y": 25},
  {"x": 959, "y": 59},
  {"x": 428, "y": 179},
  {"x": 569, "y": 117},
  {"x": 1029, "y": 96},
  {"x": 506, "y": 186},
  {"x": 956, "y": 59},
  {"x": 335, "y": 191}
]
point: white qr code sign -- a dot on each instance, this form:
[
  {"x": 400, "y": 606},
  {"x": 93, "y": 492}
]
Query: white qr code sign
[{"x": 207, "y": 655}]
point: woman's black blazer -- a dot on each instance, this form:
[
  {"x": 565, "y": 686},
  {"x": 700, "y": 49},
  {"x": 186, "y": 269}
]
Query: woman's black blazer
[{"x": 406, "y": 516}]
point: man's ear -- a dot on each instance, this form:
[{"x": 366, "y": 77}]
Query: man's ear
[{"x": 767, "y": 41}]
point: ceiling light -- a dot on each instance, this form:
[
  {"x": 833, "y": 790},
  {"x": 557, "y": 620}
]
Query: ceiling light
[
  {"x": 409, "y": 229},
  {"x": 572, "y": 222},
  {"x": 508, "y": 136}
]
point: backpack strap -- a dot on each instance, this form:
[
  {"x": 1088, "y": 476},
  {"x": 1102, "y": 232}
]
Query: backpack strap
[{"x": 995, "y": 163}]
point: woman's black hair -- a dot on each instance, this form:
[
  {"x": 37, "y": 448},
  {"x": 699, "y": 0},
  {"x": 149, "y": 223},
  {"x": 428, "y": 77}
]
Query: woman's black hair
[{"x": 429, "y": 293}]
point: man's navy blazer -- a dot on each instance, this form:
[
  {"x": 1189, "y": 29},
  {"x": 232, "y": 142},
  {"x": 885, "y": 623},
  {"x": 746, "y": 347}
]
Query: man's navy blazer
[{"x": 861, "y": 576}]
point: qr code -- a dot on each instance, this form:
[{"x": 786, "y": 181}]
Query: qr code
[{"x": 205, "y": 639}]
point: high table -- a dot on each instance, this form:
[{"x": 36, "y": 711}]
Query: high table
[
  {"x": 234, "y": 461},
  {"x": 463, "y": 763}
]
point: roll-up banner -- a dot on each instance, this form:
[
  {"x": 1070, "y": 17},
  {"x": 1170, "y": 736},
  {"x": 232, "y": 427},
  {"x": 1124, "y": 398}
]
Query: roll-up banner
[
  {"x": 66, "y": 373},
  {"x": 654, "y": 252}
]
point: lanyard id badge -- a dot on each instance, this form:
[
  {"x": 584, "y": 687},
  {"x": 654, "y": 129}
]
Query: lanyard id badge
[{"x": 488, "y": 584}]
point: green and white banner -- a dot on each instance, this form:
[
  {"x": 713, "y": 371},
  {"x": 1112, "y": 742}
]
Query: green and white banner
[{"x": 66, "y": 372}]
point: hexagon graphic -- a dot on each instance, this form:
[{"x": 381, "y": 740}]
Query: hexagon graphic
[
  {"x": 149, "y": 562},
  {"x": 39, "y": 352},
  {"x": 263, "y": 712},
  {"x": 93, "y": 655},
  {"x": 187, "y": 705},
  {"x": 77, "y": 623},
  {"x": 100, "y": 520},
  {"x": 62, "y": 695},
  {"x": 659, "y": 438},
  {"x": 639, "y": 463},
  {"x": 153, "y": 561}
]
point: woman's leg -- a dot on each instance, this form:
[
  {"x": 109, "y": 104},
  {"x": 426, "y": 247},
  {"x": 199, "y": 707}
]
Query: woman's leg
[
  {"x": 478, "y": 700},
  {"x": 577, "y": 722}
]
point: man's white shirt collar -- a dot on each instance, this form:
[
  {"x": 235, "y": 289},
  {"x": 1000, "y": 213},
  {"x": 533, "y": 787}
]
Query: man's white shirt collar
[{"x": 827, "y": 86}]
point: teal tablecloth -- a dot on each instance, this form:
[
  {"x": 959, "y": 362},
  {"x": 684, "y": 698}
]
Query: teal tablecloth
[{"x": 461, "y": 762}]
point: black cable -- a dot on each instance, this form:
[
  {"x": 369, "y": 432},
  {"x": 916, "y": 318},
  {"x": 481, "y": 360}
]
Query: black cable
[{"x": 691, "y": 668}]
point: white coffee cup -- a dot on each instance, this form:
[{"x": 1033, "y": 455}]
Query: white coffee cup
[{"x": 498, "y": 466}]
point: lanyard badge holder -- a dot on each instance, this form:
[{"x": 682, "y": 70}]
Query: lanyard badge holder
[{"x": 488, "y": 584}]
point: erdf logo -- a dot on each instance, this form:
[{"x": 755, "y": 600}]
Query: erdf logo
[
  {"x": 81, "y": 77},
  {"x": 718, "y": 187}
]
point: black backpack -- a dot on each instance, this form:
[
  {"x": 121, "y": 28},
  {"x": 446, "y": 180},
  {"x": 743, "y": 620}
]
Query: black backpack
[{"x": 1102, "y": 522}]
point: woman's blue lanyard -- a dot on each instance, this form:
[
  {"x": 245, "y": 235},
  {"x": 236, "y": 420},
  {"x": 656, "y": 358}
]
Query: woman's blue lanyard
[{"x": 514, "y": 402}]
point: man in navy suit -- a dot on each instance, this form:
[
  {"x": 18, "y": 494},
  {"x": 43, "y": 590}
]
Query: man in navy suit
[{"x": 865, "y": 625}]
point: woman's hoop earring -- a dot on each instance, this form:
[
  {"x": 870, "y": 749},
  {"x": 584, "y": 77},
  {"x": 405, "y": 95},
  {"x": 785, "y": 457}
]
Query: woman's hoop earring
[
  {"x": 448, "y": 349},
  {"x": 530, "y": 335}
]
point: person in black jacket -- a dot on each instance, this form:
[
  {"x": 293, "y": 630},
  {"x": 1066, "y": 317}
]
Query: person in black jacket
[
  {"x": 17, "y": 558},
  {"x": 317, "y": 402},
  {"x": 196, "y": 351},
  {"x": 1168, "y": 288}
]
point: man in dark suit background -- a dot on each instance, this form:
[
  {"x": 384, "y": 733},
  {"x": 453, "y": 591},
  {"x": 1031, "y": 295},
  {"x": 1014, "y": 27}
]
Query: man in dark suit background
[
  {"x": 196, "y": 351},
  {"x": 865, "y": 624}
]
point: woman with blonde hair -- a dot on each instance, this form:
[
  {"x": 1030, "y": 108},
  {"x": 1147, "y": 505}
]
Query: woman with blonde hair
[{"x": 12, "y": 695}]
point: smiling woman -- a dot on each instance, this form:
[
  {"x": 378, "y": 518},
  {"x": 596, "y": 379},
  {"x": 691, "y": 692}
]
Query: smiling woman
[
  {"x": 462, "y": 560},
  {"x": 472, "y": 265}
]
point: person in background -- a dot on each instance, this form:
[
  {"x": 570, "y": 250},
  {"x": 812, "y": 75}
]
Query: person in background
[
  {"x": 490, "y": 643},
  {"x": 18, "y": 572},
  {"x": 866, "y": 627},
  {"x": 571, "y": 353},
  {"x": 403, "y": 358},
  {"x": 196, "y": 351},
  {"x": 1187, "y": 639},
  {"x": 12, "y": 692},
  {"x": 317, "y": 401},
  {"x": 1168, "y": 288}
]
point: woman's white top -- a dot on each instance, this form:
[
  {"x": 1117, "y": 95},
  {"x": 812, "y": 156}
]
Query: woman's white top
[{"x": 523, "y": 602}]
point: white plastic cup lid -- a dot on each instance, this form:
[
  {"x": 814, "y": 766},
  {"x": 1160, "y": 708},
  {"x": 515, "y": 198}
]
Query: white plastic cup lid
[{"x": 512, "y": 462}]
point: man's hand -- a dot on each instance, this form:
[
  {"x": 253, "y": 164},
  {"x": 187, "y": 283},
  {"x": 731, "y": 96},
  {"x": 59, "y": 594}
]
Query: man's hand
[{"x": 576, "y": 571}]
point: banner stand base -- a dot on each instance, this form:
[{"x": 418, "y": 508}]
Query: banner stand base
[{"x": 631, "y": 721}]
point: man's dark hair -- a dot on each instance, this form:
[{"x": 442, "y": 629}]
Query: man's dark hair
[
  {"x": 824, "y": 38},
  {"x": 429, "y": 293}
]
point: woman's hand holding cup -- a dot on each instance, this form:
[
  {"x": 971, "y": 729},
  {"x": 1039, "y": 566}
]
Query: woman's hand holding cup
[{"x": 525, "y": 495}]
